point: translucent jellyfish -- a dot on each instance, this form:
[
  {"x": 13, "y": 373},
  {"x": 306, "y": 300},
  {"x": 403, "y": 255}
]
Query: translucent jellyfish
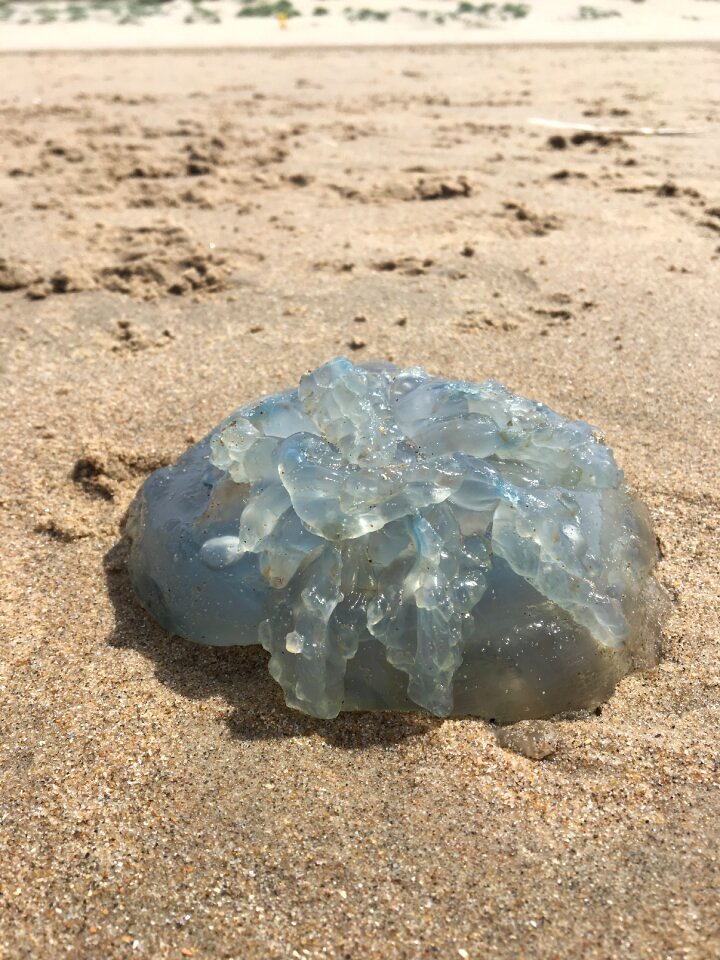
[{"x": 399, "y": 541}]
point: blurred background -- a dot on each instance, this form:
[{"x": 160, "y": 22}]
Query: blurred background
[{"x": 87, "y": 23}]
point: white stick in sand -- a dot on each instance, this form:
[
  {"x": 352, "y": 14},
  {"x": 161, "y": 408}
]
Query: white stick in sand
[{"x": 616, "y": 131}]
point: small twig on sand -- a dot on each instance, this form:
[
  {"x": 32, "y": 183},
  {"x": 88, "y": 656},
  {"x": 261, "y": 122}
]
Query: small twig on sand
[{"x": 616, "y": 131}]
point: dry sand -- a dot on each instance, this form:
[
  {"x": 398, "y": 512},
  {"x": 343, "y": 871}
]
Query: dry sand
[{"x": 185, "y": 232}]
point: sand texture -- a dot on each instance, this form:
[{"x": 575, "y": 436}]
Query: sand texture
[{"x": 182, "y": 233}]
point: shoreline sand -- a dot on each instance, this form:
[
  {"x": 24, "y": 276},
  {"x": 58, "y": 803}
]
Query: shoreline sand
[{"x": 181, "y": 233}]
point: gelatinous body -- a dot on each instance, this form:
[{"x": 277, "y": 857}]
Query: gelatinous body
[{"x": 395, "y": 540}]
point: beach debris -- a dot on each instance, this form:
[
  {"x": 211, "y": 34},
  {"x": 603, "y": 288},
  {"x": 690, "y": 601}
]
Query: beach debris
[
  {"x": 435, "y": 188},
  {"x": 533, "y": 223},
  {"x": 615, "y": 131},
  {"x": 398, "y": 541}
]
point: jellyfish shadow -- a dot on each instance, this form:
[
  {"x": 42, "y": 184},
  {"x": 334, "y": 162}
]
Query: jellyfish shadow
[{"x": 239, "y": 676}]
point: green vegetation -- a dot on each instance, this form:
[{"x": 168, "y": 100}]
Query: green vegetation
[
  {"x": 594, "y": 13},
  {"x": 46, "y": 14},
  {"x": 508, "y": 11},
  {"x": 269, "y": 10},
  {"x": 201, "y": 11},
  {"x": 201, "y": 14},
  {"x": 74, "y": 12},
  {"x": 135, "y": 8},
  {"x": 133, "y": 11},
  {"x": 123, "y": 11},
  {"x": 365, "y": 13}
]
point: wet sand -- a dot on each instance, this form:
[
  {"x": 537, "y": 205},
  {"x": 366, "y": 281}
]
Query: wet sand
[{"x": 184, "y": 232}]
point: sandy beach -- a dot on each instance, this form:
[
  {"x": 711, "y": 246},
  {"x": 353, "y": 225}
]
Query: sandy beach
[{"x": 183, "y": 232}]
